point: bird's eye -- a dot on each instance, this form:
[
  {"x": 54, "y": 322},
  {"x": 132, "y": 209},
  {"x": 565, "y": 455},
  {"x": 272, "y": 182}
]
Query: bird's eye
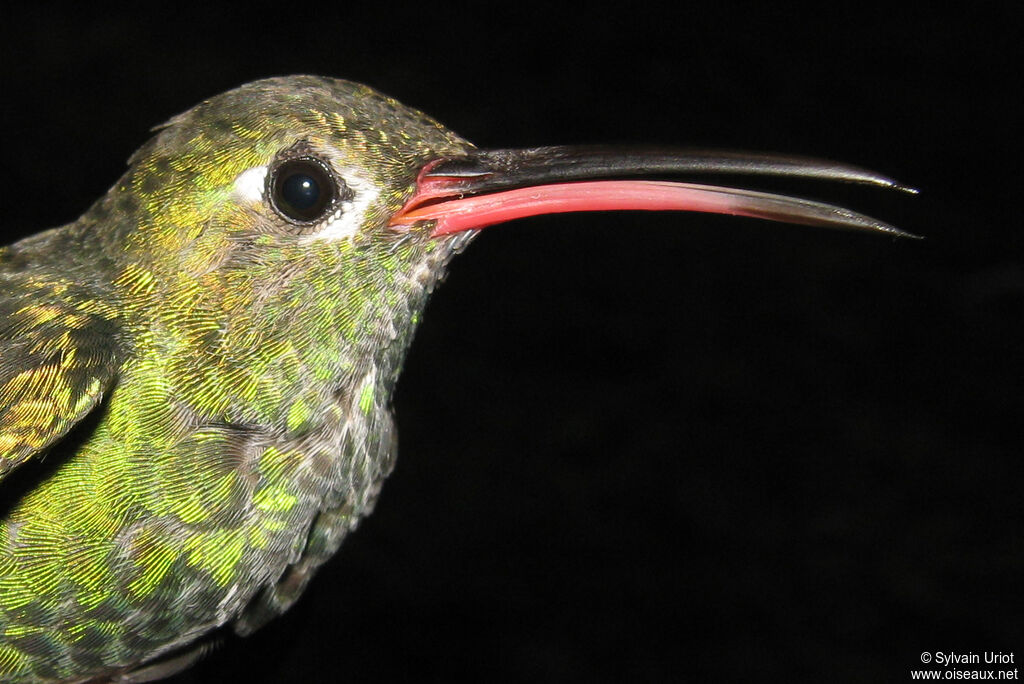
[{"x": 303, "y": 190}]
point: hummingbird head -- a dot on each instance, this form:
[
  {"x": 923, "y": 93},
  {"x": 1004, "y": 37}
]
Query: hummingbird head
[
  {"x": 276, "y": 243},
  {"x": 251, "y": 244}
]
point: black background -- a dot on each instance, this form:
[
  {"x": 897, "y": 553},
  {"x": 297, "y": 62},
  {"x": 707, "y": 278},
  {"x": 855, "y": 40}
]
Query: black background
[{"x": 640, "y": 446}]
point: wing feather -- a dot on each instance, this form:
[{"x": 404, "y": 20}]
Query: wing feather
[{"x": 58, "y": 357}]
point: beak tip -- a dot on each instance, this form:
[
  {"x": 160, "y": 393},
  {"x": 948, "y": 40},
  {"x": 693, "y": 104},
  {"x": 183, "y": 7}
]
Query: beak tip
[{"x": 897, "y": 233}]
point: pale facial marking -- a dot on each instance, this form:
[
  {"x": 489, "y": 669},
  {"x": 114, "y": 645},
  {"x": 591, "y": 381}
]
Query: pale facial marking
[{"x": 251, "y": 184}]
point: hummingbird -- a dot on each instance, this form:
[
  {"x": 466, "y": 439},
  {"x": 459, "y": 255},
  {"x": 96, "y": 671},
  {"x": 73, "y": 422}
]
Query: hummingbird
[{"x": 196, "y": 375}]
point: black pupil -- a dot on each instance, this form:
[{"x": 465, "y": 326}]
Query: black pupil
[{"x": 303, "y": 190}]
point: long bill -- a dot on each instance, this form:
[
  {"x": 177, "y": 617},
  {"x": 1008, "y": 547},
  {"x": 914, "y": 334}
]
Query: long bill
[{"x": 489, "y": 187}]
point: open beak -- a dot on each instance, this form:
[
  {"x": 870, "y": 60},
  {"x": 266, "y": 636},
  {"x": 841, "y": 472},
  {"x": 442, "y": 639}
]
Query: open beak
[{"x": 488, "y": 187}]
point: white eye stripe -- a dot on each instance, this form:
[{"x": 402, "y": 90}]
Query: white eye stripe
[
  {"x": 344, "y": 221},
  {"x": 251, "y": 184}
]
